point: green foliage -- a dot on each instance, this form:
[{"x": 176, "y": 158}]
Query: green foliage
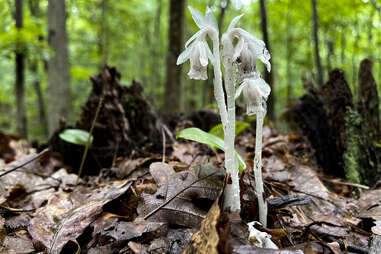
[
  {"x": 124, "y": 34},
  {"x": 219, "y": 131},
  {"x": 76, "y": 136},
  {"x": 353, "y": 143},
  {"x": 198, "y": 135}
]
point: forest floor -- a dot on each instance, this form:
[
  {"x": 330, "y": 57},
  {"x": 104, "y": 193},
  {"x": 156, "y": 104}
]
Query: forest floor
[{"x": 167, "y": 204}]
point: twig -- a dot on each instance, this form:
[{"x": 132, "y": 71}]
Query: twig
[
  {"x": 89, "y": 138},
  {"x": 29, "y": 161},
  {"x": 343, "y": 183},
  {"x": 174, "y": 196},
  {"x": 164, "y": 143}
]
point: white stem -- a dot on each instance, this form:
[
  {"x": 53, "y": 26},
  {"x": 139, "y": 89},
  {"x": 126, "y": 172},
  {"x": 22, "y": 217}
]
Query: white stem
[
  {"x": 218, "y": 89},
  {"x": 258, "y": 170},
  {"x": 232, "y": 197}
]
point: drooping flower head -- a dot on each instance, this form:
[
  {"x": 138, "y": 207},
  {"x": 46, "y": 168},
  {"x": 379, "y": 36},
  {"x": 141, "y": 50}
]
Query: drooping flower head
[
  {"x": 255, "y": 92},
  {"x": 196, "y": 48},
  {"x": 248, "y": 49},
  {"x": 246, "y": 52}
]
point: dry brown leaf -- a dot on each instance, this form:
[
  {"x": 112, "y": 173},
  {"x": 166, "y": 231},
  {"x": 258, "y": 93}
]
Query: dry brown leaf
[{"x": 66, "y": 216}]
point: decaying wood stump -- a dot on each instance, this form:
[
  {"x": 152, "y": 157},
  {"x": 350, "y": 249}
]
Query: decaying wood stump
[
  {"x": 309, "y": 114},
  {"x": 126, "y": 123},
  {"x": 340, "y": 135},
  {"x": 368, "y": 104}
]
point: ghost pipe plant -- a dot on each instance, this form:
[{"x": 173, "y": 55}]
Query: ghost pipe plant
[{"x": 239, "y": 60}]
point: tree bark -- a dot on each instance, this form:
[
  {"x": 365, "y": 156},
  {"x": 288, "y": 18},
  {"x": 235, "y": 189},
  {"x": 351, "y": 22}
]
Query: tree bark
[
  {"x": 21, "y": 121},
  {"x": 316, "y": 42},
  {"x": 59, "y": 95},
  {"x": 268, "y": 75},
  {"x": 174, "y": 88}
]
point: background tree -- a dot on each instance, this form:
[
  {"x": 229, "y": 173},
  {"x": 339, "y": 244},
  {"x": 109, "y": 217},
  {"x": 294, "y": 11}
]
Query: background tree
[
  {"x": 316, "y": 43},
  {"x": 59, "y": 96},
  {"x": 20, "y": 73},
  {"x": 35, "y": 11},
  {"x": 268, "y": 75},
  {"x": 174, "y": 88}
]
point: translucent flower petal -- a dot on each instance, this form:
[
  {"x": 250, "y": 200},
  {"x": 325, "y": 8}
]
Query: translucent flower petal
[
  {"x": 239, "y": 90},
  {"x": 198, "y": 17},
  {"x": 198, "y": 73},
  {"x": 202, "y": 53},
  {"x": 234, "y": 22},
  {"x": 185, "y": 55},
  {"x": 210, "y": 18},
  {"x": 196, "y": 35},
  {"x": 263, "y": 88}
]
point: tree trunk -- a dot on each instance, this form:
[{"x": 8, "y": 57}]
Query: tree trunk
[
  {"x": 268, "y": 75},
  {"x": 103, "y": 35},
  {"x": 156, "y": 81},
  {"x": 21, "y": 122},
  {"x": 59, "y": 96},
  {"x": 34, "y": 7},
  {"x": 174, "y": 88},
  {"x": 289, "y": 52},
  {"x": 316, "y": 42},
  {"x": 40, "y": 98}
]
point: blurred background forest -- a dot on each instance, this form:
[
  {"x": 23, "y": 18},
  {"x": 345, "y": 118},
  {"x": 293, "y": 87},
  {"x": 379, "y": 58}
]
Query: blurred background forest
[{"x": 133, "y": 36}]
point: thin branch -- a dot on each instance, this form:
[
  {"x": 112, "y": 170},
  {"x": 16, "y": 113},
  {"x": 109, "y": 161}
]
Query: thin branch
[
  {"x": 25, "y": 163},
  {"x": 89, "y": 138}
]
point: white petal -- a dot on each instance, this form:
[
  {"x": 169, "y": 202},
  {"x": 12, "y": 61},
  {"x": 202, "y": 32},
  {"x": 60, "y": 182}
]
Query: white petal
[
  {"x": 250, "y": 37},
  {"x": 198, "y": 17},
  {"x": 202, "y": 51},
  {"x": 210, "y": 18},
  {"x": 238, "y": 49},
  {"x": 239, "y": 89},
  {"x": 234, "y": 22},
  {"x": 184, "y": 55},
  {"x": 265, "y": 58},
  {"x": 198, "y": 74},
  {"x": 263, "y": 88},
  {"x": 196, "y": 35}
]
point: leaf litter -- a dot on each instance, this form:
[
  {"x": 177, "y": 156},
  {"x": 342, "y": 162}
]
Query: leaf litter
[{"x": 43, "y": 210}]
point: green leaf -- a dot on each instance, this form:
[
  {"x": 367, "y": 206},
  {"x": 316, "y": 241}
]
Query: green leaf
[
  {"x": 76, "y": 136},
  {"x": 195, "y": 134},
  {"x": 219, "y": 131}
]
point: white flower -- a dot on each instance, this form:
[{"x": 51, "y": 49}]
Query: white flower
[
  {"x": 248, "y": 49},
  {"x": 255, "y": 93},
  {"x": 197, "y": 53},
  {"x": 196, "y": 48}
]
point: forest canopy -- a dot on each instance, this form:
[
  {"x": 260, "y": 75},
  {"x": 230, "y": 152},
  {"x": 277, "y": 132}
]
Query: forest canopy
[{"x": 133, "y": 36}]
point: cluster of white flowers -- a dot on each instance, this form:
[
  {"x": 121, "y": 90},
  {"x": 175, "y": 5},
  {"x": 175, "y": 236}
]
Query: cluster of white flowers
[
  {"x": 246, "y": 52},
  {"x": 238, "y": 59}
]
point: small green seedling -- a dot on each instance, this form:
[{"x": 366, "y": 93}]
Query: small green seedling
[{"x": 76, "y": 136}]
